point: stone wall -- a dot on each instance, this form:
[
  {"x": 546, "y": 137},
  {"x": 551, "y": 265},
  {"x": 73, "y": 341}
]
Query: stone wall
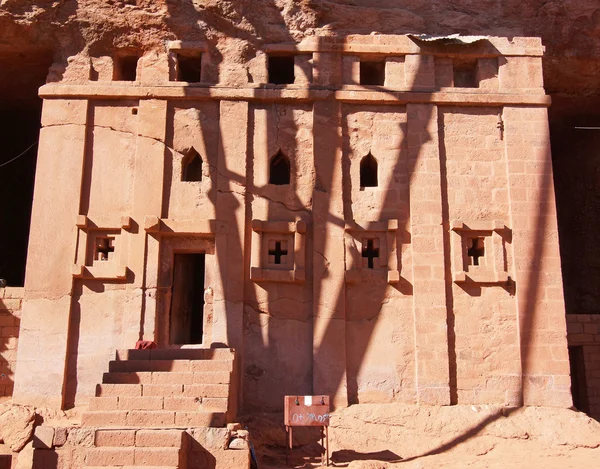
[
  {"x": 584, "y": 344},
  {"x": 10, "y": 318}
]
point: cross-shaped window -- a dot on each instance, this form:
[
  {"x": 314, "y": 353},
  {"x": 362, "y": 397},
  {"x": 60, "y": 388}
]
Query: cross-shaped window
[
  {"x": 370, "y": 251},
  {"x": 278, "y": 251},
  {"x": 104, "y": 247},
  {"x": 476, "y": 250}
]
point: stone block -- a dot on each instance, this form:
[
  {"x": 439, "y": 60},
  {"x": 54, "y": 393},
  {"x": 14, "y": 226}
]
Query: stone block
[
  {"x": 157, "y": 457},
  {"x": 60, "y": 436},
  {"x": 103, "y": 418},
  {"x": 141, "y": 403},
  {"x": 109, "y": 457},
  {"x": 210, "y": 366},
  {"x": 112, "y": 390},
  {"x": 159, "y": 438},
  {"x": 115, "y": 438},
  {"x": 140, "y": 418},
  {"x": 43, "y": 437},
  {"x": 223, "y": 377},
  {"x": 200, "y": 419},
  {"x": 103, "y": 403},
  {"x": 163, "y": 390},
  {"x": 182, "y": 403},
  {"x": 205, "y": 390}
]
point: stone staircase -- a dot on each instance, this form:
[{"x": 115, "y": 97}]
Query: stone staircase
[
  {"x": 147, "y": 401},
  {"x": 152, "y": 448}
]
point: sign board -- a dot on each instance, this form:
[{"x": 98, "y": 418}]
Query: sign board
[{"x": 306, "y": 411}]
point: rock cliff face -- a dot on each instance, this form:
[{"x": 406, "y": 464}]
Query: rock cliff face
[
  {"x": 570, "y": 30},
  {"x": 34, "y": 34}
]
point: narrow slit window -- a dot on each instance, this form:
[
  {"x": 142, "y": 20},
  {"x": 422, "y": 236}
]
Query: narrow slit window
[
  {"x": 368, "y": 171},
  {"x": 189, "y": 67},
  {"x": 191, "y": 167},
  {"x": 279, "y": 170},
  {"x": 281, "y": 69},
  {"x": 126, "y": 67},
  {"x": 372, "y": 73},
  {"x": 465, "y": 73}
]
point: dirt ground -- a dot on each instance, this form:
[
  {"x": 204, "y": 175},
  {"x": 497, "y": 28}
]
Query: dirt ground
[{"x": 457, "y": 437}]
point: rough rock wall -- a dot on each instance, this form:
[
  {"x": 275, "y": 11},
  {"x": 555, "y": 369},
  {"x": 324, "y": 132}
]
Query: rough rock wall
[
  {"x": 10, "y": 318},
  {"x": 570, "y": 30}
]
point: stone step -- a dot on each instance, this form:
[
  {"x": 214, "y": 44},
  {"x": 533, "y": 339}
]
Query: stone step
[
  {"x": 209, "y": 366},
  {"x": 176, "y": 354},
  {"x": 140, "y": 437},
  {"x": 152, "y": 418},
  {"x": 134, "y": 456},
  {"x": 207, "y": 404},
  {"x": 166, "y": 377},
  {"x": 162, "y": 390}
]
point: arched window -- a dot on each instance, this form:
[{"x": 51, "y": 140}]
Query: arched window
[
  {"x": 191, "y": 167},
  {"x": 368, "y": 171},
  {"x": 279, "y": 170}
]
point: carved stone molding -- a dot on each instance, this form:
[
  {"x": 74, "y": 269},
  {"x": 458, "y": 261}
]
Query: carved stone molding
[
  {"x": 478, "y": 251},
  {"x": 371, "y": 246},
  {"x": 278, "y": 251}
]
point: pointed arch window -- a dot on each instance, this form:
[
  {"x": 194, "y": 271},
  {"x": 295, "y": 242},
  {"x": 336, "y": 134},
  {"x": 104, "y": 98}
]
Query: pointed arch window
[
  {"x": 368, "y": 171},
  {"x": 279, "y": 170},
  {"x": 191, "y": 167}
]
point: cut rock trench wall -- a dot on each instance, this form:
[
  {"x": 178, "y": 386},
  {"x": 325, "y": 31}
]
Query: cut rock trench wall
[{"x": 11, "y": 299}]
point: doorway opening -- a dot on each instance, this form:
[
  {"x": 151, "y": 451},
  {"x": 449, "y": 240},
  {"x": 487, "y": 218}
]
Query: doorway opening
[
  {"x": 578, "y": 379},
  {"x": 186, "y": 323}
]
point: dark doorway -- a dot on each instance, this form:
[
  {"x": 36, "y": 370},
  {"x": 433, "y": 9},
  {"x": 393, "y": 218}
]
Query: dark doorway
[
  {"x": 187, "y": 304},
  {"x": 578, "y": 379}
]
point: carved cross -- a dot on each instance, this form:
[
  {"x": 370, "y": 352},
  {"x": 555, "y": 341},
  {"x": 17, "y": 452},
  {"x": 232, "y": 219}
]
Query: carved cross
[
  {"x": 370, "y": 252},
  {"x": 278, "y": 252},
  {"x": 104, "y": 246},
  {"x": 476, "y": 250}
]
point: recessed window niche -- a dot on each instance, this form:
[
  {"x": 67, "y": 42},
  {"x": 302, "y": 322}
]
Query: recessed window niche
[
  {"x": 191, "y": 167},
  {"x": 125, "y": 66},
  {"x": 372, "y": 73},
  {"x": 189, "y": 66},
  {"x": 368, "y": 171},
  {"x": 279, "y": 170},
  {"x": 465, "y": 73},
  {"x": 281, "y": 69}
]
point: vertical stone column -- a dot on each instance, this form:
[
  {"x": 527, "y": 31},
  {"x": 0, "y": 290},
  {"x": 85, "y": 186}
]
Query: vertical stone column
[
  {"x": 229, "y": 245},
  {"x": 429, "y": 289},
  {"x": 329, "y": 322},
  {"x": 147, "y": 201},
  {"x": 537, "y": 271},
  {"x": 43, "y": 340}
]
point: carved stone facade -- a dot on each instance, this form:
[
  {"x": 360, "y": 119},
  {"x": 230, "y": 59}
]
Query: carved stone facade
[{"x": 371, "y": 219}]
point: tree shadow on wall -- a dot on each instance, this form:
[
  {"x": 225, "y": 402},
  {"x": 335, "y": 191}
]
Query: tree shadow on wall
[{"x": 330, "y": 350}]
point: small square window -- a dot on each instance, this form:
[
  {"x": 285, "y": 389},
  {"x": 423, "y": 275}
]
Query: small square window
[
  {"x": 281, "y": 70},
  {"x": 372, "y": 73},
  {"x": 465, "y": 73},
  {"x": 125, "y": 67},
  {"x": 189, "y": 67}
]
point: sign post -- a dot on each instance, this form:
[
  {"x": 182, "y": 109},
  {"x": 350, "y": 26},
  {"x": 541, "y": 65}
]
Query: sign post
[{"x": 308, "y": 411}]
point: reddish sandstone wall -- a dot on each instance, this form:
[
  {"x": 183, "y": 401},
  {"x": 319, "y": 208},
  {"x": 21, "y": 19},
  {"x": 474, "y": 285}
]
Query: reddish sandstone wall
[{"x": 10, "y": 318}]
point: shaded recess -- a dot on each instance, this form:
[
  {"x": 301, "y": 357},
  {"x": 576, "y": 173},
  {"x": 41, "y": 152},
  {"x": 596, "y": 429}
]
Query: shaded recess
[
  {"x": 368, "y": 171},
  {"x": 575, "y": 139},
  {"x": 22, "y": 72},
  {"x": 279, "y": 170},
  {"x": 191, "y": 167}
]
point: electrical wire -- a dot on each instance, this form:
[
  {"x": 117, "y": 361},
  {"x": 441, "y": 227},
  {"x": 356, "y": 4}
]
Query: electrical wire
[{"x": 19, "y": 155}]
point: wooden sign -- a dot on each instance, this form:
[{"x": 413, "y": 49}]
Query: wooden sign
[{"x": 306, "y": 411}]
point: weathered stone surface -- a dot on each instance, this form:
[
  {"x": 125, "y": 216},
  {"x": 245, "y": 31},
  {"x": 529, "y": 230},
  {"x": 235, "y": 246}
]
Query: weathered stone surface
[
  {"x": 16, "y": 425},
  {"x": 43, "y": 437}
]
